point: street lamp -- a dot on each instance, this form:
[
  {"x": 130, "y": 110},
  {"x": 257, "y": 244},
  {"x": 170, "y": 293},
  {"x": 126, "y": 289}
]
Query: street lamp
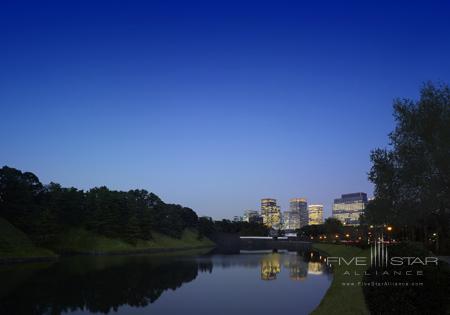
[{"x": 389, "y": 228}]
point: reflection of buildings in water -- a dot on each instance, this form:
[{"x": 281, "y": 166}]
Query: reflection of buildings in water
[
  {"x": 315, "y": 268},
  {"x": 270, "y": 266},
  {"x": 298, "y": 268}
]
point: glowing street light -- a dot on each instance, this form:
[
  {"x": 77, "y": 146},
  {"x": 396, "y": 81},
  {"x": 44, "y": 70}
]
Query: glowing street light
[
  {"x": 389, "y": 228},
  {"x": 347, "y": 235}
]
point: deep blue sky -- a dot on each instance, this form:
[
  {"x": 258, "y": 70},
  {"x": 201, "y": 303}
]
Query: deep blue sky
[{"x": 216, "y": 104}]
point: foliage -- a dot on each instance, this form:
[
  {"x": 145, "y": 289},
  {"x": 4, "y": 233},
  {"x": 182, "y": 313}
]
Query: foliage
[
  {"x": 330, "y": 226},
  {"x": 412, "y": 177},
  {"x": 333, "y": 225},
  {"x": 45, "y": 211},
  {"x": 208, "y": 227},
  {"x": 14, "y": 244},
  {"x": 79, "y": 240}
]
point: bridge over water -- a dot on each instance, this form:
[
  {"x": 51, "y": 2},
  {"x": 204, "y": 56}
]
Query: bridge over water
[
  {"x": 234, "y": 243},
  {"x": 258, "y": 242}
]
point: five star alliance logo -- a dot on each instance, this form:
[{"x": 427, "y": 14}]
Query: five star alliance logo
[
  {"x": 379, "y": 254},
  {"x": 380, "y": 258}
]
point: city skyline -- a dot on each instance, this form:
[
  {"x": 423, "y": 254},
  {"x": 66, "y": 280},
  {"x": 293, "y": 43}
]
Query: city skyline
[
  {"x": 302, "y": 213},
  {"x": 212, "y": 105}
]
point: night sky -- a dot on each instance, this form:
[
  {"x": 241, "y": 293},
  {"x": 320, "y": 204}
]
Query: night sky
[{"x": 215, "y": 104}]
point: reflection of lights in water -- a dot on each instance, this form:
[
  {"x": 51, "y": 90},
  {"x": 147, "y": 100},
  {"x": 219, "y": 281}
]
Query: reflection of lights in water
[
  {"x": 298, "y": 272},
  {"x": 270, "y": 266},
  {"x": 315, "y": 268},
  {"x": 298, "y": 268}
]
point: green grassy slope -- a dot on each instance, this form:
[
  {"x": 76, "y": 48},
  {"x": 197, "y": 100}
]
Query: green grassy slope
[
  {"x": 14, "y": 244},
  {"x": 82, "y": 241},
  {"x": 341, "y": 299}
]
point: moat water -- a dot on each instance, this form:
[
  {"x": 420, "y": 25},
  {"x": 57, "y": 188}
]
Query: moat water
[{"x": 176, "y": 283}]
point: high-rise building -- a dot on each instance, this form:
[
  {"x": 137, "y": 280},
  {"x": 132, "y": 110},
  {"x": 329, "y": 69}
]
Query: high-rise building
[
  {"x": 291, "y": 220},
  {"x": 252, "y": 216},
  {"x": 300, "y": 206},
  {"x": 349, "y": 208},
  {"x": 271, "y": 213},
  {"x": 315, "y": 213}
]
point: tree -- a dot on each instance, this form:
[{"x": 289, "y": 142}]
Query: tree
[
  {"x": 44, "y": 211},
  {"x": 45, "y": 228},
  {"x": 132, "y": 231},
  {"x": 412, "y": 177},
  {"x": 333, "y": 226},
  {"x": 106, "y": 209},
  {"x": 19, "y": 197},
  {"x": 312, "y": 230},
  {"x": 206, "y": 227}
]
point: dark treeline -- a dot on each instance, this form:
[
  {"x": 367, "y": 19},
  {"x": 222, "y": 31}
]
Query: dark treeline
[
  {"x": 42, "y": 211},
  {"x": 331, "y": 226},
  {"x": 209, "y": 227},
  {"x": 412, "y": 176}
]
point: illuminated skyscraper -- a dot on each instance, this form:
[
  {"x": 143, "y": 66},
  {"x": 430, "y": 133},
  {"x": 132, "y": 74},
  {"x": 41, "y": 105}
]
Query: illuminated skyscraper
[
  {"x": 252, "y": 216},
  {"x": 291, "y": 220},
  {"x": 349, "y": 208},
  {"x": 271, "y": 213},
  {"x": 315, "y": 213},
  {"x": 300, "y": 207}
]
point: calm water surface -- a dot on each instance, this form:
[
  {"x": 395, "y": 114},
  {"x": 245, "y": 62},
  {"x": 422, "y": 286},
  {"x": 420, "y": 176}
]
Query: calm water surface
[{"x": 182, "y": 283}]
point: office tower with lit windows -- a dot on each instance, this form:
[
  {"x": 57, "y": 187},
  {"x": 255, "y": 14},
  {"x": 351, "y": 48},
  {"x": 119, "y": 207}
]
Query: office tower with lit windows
[
  {"x": 252, "y": 216},
  {"x": 350, "y": 207},
  {"x": 300, "y": 207},
  {"x": 271, "y": 213},
  {"x": 291, "y": 221},
  {"x": 315, "y": 214}
]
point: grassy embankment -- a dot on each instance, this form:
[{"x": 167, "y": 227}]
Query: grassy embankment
[
  {"x": 16, "y": 245},
  {"x": 82, "y": 241},
  {"x": 343, "y": 299}
]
